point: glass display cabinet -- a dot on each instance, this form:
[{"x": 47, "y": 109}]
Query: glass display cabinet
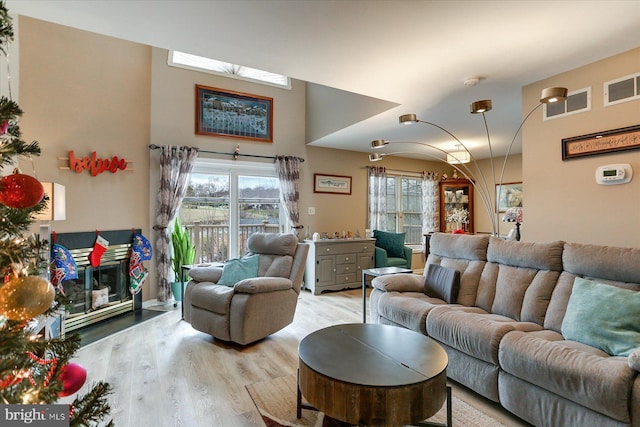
[{"x": 456, "y": 203}]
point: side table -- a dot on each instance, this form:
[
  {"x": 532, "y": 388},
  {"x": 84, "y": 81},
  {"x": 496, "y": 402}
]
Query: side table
[{"x": 375, "y": 272}]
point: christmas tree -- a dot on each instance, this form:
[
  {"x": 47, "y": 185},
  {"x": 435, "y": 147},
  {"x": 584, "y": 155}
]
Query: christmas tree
[{"x": 34, "y": 369}]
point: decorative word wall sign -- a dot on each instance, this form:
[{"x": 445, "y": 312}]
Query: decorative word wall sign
[{"x": 95, "y": 165}]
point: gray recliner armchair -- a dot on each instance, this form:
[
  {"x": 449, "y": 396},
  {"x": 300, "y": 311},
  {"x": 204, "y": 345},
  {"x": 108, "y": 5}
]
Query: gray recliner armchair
[{"x": 254, "y": 307}]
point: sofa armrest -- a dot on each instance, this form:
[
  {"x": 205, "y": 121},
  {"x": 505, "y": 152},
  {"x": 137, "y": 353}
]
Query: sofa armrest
[
  {"x": 257, "y": 285},
  {"x": 403, "y": 282}
]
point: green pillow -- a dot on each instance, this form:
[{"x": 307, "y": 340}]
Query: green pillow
[
  {"x": 238, "y": 269},
  {"x": 393, "y": 243},
  {"x": 603, "y": 316}
]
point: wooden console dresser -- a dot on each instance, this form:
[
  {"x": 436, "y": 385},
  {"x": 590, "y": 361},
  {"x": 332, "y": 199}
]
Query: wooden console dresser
[{"x": 336, "y": 264}]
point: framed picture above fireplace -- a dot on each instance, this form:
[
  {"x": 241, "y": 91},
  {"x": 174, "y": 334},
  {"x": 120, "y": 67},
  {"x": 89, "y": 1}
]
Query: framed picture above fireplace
[{"x": 221, "y": 112}]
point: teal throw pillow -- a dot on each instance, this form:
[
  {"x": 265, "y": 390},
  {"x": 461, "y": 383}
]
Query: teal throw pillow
[
  {"x": 603, "y": 316},
  {"x": 238, "y": 269},
  {"x": 393, "y": 243}
]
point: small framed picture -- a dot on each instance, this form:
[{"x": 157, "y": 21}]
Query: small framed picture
[
  {"x": 336, "y": 184},
  {"x": 509, "y": 195}
]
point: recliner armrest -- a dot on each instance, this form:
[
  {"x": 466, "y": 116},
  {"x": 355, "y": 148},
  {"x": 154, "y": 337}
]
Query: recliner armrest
[
  {"x": 257, "y": 285},
  {"x": 205, "y": 274}
]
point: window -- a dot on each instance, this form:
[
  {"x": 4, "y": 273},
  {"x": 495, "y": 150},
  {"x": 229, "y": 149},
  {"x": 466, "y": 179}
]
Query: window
[
  {"x": 226, "y": 202},
  {"x": 213, "y": 66},
  {"x": 622, "y": 90},
  {"x": 404, "y": 207},
  {"x": 577, "y": 102}
]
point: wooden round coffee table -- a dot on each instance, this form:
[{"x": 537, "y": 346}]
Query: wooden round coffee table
[{"x": 374, "y": 375}]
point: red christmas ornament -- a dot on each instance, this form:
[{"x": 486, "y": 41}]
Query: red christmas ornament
[
  {"x": 20, "y": 191},
  {"x": 73, "y": 377}
]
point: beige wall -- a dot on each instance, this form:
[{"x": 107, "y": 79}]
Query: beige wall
[
  {"x": 562, "y": 199},
  {"x": 84, "y": 92}
]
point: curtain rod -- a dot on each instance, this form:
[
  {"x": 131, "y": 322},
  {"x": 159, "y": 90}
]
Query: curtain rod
[
  {"x": 235, "y": 154},
  {"x": 396, "y": 170}
]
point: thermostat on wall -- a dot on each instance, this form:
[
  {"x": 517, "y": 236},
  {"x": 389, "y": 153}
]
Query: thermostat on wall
[{"x": 614, "y": 174}]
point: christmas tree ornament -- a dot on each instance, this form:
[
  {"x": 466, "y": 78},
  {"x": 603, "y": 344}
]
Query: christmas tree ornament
[
  {"x": 20, "y": 191},
  {"x": 42, "y": 362},
  {"x": 23, "y": 298},
  {"x": 99, "y": 248},
  {"x": 73, "y": 377}
]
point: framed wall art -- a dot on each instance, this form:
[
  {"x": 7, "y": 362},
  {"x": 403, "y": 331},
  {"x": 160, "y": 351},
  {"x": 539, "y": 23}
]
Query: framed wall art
[
  {"x": 222, "y": 112},
  {"x": 610, "y": 141},
  {"x": 509, "y": 195},
  {"x": 336, "y": 184}
]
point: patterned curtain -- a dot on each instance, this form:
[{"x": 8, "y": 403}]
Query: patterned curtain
[
  {"x": 288, "y": 169},
  {"x": 377, "y": 198},
  {"x": 176, "y": 164},
  {"x": 430, "y": 203}
]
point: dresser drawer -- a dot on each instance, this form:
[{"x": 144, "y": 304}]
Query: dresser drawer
[
  {"x": 346, "y": 268},
  {"x": 346, "y": 278},
  {"x": 346, "y": 259}
]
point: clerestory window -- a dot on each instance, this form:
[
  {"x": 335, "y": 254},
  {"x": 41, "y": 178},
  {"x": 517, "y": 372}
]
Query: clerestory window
[{"x": 227, "y": 69}]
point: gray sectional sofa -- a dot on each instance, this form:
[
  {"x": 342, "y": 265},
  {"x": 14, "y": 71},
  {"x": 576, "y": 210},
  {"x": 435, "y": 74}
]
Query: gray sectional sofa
[{"x": 504, "y": 332}]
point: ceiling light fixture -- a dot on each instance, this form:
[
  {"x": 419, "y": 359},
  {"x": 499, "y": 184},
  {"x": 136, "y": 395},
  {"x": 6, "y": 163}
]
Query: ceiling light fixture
[
  {"x": 458, "y": 157},
  {"x": 478, "y": 180}
]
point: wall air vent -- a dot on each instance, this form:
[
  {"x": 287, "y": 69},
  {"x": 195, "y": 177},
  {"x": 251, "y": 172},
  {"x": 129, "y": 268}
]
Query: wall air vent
[
  {"x": 578, "y": 101},
  {"x": 622, "y": 90}
]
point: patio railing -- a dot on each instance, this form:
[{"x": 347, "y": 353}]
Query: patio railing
[{"x": 212, "y": 240}]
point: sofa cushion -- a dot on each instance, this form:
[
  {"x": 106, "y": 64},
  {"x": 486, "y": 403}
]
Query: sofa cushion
[
  {"x": 238, "y": 269},
  {"x": 407, "y": 309},
  {"x": 605, "y": 262},
  {"x": 539, "y": 256},
  {"x": 580, "y": 373},
  {"x": 393, "y": 243},
  {"x": 603, "y": 316},
  {"x": 472, "y": 330},
  {"x": 442, "y": 282},
  {"x": 462, "y": 246}
]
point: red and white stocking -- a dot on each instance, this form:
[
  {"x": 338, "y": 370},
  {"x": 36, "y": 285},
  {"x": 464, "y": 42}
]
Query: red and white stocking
[{"x": 99, "y": 248}]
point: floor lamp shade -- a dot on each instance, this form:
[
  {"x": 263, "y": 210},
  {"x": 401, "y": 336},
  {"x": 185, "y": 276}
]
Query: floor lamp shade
[{"x": 56, "y": 206}]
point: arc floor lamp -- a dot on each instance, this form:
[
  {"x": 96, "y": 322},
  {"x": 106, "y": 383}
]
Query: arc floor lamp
[{"x": 462, "y": 156}]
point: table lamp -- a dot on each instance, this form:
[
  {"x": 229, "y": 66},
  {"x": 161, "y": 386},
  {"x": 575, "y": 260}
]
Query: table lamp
[{"x": 514, "y": 215}]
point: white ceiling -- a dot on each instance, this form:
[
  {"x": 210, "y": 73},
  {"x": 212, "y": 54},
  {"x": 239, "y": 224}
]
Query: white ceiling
[{"x": 411, "y": 55}]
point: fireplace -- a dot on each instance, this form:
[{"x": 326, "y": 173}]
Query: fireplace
[{"x": 101, "y": 292}]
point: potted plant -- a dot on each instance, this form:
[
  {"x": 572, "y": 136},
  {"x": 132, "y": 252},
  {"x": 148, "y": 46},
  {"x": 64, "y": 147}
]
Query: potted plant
[{"x": 184, "y": 253}]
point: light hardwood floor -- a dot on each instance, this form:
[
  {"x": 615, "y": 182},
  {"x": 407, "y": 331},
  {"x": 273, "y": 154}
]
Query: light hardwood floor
[{"x": 164, "y": 373}]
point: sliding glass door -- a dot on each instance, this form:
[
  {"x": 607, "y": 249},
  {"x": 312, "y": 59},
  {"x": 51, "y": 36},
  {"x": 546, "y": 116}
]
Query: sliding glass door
[{"x": 226, "y": 202}]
